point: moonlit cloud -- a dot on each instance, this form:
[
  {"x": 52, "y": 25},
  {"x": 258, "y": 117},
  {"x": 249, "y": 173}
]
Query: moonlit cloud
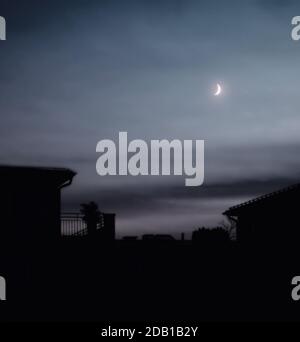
[{"x": 75, "y": 72}]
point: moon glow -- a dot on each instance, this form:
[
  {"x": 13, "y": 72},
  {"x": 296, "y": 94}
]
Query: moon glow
[{"x": 219, "y": 90}]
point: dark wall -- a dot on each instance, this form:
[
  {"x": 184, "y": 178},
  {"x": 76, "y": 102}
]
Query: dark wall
[
  {"x": 109, "y": 229},
  {"x": 29, "y": 214},
  {"x": 274, "y": 222}
]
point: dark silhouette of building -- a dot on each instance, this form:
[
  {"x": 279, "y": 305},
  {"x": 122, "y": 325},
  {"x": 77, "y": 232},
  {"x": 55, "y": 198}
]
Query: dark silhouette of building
[
  {"x": 163, "y": 278},
  {"x": 30, "y": 203},
  {"x": 210, "y": 236},
  {"x": 91, "y": 216},
  {"x": 109, "y": 231},
  {"x": 271, "y": 218},
  {"x": 30, "y": 207},
  {"x": 75, "y": 225},
  {"x": 157, "y": 237},
  {"x": 130, "y": 238}
]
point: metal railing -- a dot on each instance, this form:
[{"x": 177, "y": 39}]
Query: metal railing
[{"x": 72, "y": 224}]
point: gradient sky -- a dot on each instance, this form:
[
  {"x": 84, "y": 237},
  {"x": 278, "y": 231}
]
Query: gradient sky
[{"x": 75, "y": 72}]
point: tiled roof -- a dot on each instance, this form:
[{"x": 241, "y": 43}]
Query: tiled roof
[
  {"x": 261, "y": 199},
  {"x": 31, "y": 174}
]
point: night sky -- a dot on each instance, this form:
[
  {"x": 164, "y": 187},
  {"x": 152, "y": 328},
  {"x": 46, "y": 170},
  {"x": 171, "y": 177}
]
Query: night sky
[{"x": 76, "y": 72}]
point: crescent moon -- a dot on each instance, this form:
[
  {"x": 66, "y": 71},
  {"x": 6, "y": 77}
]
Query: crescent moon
[{"x": 219, "y": 90}]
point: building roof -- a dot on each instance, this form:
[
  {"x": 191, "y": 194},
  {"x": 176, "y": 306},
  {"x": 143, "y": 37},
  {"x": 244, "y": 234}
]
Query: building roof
[
  {"x": 261, "y": 200},
  {"x": 27, "y": 175}
]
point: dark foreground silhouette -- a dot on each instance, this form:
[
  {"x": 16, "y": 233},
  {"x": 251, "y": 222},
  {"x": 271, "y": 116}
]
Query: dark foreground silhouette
[
  {"x": 85, "y": 280},
  {"x": 87, "y": 275}
]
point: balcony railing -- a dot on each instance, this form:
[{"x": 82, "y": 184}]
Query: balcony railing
[{"x": 72, "y": 224}]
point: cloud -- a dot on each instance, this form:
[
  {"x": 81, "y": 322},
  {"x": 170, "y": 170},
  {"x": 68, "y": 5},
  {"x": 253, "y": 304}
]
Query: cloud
[{"x": 73, "y": 73}]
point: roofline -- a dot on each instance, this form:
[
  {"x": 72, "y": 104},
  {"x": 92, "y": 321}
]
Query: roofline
[
  {"x": 36, "y": 167},
  {"x": 261, "y": 198},
  {"x": 63, "y": 176}
]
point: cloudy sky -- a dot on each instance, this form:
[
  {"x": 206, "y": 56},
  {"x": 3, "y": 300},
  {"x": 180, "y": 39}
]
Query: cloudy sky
[{"x": 76, "y": 72}]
